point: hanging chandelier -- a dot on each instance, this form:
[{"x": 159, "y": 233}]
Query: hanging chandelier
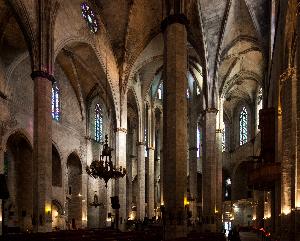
[{"x": 104, "y": 168}]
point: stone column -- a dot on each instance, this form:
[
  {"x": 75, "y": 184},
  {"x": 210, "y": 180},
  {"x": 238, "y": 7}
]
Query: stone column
[
  {"x": 151, "y": 176},
  {"x": 84, "y": 199},
  {"x": 219, "y": 161},
  {"x": 42, "y": 151},
  {"x": 130, "y": 158},
  {"x": 209, "y": 170},
  {"x": 2, "y": 150},
  {"x": 175, "y": 125},
  {"x": 193, "y": 162},
  {"x": 121, "y": 162},
  {"x": 141, "y": 181},
  {"x": 161, "y": 161}
]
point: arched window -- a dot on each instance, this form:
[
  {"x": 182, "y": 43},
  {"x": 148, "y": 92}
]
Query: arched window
[
  {"x": 224, "y": 139},
  {"x": 243, "y": 126},
  {"x": 98, "y": 123},
  {"x": 55, "y": 102}
]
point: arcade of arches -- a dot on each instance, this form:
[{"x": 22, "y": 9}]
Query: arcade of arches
[{"x": 199, "y": 100}]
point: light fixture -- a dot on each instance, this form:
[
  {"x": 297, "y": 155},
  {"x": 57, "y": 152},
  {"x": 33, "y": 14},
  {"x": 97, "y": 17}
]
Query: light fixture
[{"x": 104, "y": 168}]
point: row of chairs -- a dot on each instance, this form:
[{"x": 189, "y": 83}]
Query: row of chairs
[{"x": 109, "y": 235}]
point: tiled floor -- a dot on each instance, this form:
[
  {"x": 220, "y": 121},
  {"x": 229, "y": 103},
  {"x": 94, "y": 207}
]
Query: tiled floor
[{"x": 249, "y": 237}]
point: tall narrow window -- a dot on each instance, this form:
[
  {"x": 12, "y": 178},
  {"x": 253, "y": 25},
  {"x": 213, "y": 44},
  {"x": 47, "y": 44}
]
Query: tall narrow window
[
  {"x": 259, "y": 105},
  {"x": 55, "y": 102},
  {"x": 224, "y": 139},
  {"x": 98, "y": 123},
  {"x": 243, "y": 126},
  {"x": 159, "y": 91},
  {"x": 187, "y": 93},
  {"x": 198, "y": 142}
]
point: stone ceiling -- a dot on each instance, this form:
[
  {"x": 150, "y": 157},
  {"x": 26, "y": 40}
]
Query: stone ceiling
[{"x": 228, "y": 38}]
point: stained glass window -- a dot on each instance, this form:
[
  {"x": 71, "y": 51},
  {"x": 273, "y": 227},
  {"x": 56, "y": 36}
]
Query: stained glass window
[
  {"x": 90, "y": 17},
  {"x": 159, "y": 91},
  {"x": 98, "y": 123},
  {"x": 198, "y": 90},
  {"x": 187, "y": 93},
  {"x": 198, "y": 142},
  {"x": 55, "y": 102},
  {"x": 243, "y": 126},
  {"x": 224, "y": 139},
  {"x": 259, "y": 105}
]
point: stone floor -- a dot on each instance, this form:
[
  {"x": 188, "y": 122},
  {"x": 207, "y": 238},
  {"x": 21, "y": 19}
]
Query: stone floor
[{"x": 248, "y": 236}]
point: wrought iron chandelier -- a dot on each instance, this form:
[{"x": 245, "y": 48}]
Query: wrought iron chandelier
[{"x": 104, "y": 168}]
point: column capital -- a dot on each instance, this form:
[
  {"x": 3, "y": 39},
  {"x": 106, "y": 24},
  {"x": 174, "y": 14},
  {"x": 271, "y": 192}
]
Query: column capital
[
  {"x": 174, "y": 18},
  {"x": 120, "y": 129},
  {"x": 140, "y": 143},
  {"x": 151, "y": 148},
  {"x": 219, "y": 131},
  {"x": 210, "y": 110},
  {"x": 42, "y": 74}
]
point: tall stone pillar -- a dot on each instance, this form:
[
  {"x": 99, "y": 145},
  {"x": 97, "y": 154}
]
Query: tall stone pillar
[
  {"x": 42, "y": 151},
  {"x": 121, "y": 182},
  {"x": 175, "y": 125},
  {"x": 219, "y": 161},
  {"x": 2, "y": 150},
  {"x": 161, "y": 161},
  {"x": 141, "y": 181},
  {"x": 151, "y": 177},
  {"x": 130, "y": 158},
  {"x": 209, "y": 170},
  {"x": 193, "y": 163}
]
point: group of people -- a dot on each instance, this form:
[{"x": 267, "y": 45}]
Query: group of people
[{"x": 234, "y": 235}]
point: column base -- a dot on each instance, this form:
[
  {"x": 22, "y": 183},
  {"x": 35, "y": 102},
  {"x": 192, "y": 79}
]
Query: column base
[{"x": 175, "y": 231}]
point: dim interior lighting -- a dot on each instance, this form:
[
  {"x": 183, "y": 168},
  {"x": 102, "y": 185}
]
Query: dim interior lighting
[
  {"x": 108, "y": 220},
  {"x": 79, "y": 195},
  {"x": 286, "y": 211},
  {"x": 186, "y": 202},
  {"x": 48, "y": 208},
  {"x": 162, "y": 203}
]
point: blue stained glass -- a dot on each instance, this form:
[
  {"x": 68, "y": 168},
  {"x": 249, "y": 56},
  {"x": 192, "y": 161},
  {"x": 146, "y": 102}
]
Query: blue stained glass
[
  {"x": 90, "y": 17},
  {"x": 98, "y": 123},
  {"x": 55, "y": 102},
  {"x": 243, "y": 126}
]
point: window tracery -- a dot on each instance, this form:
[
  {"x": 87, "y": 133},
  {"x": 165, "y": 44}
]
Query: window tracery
[
  {"x": 243, "y": 126},
  {"x": 98, "y": 123},
  {"x": 224, "y": 139},
  {"x": 55, "y": 102},
  {"x": 90, "y": 17}
]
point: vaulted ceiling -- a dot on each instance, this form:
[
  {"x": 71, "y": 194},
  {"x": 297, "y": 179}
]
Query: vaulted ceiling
[{"x": 228, "y": 38}]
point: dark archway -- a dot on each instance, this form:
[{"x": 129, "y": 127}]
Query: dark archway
[
  {"x": 56, "y": 168},
  {"x": 74, "y": 191},
  {"x": 58, "y": 222},
  {"x": 18, "y": 169}
]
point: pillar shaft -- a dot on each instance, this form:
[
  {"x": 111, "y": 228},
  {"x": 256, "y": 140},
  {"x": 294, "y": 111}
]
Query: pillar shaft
[
  {"x": 193, "y": 164},
  {"x": 42, "y": 154},
  {"x": 141, "y": 181},
  {"x": 151, "y": 176},
  {"x": 1, "y": 171},
  {"x": 121, "y": 182},
  {"x": 175, "y": 127},
  {"x": 209, "y": 169}
]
